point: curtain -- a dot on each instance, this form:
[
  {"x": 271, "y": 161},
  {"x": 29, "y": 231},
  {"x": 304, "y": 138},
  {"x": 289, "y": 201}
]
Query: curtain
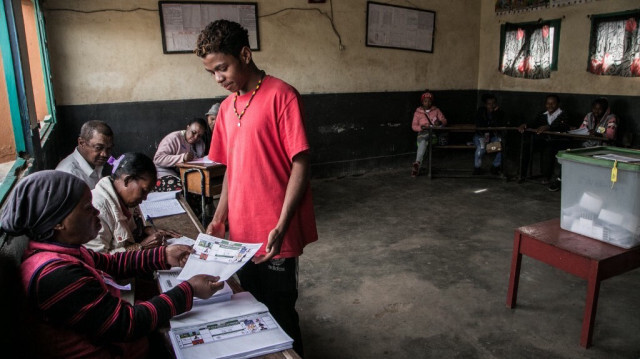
[
  {"x": 614, "y": 48},
  {"x": 528, "y": 51}
]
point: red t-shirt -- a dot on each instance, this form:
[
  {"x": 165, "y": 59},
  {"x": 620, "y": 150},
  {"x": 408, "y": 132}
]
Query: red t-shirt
[{"x": 258, "y": 155}]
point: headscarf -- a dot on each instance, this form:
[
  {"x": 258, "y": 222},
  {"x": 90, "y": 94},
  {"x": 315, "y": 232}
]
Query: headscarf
[
  {"x": 426, "y": 95},
  {"x": 39, "y": 202},
  {"x": 213, "y": 110}
]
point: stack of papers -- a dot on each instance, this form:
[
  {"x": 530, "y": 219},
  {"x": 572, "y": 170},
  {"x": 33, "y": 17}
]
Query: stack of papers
[
  {"x": 203, "y": 160},
  {"x": 161, "y": 204},
  {"x": 169, "y": 279},
  {"x": 239, "y": 328},
  {"x": 217, "y": 257}
]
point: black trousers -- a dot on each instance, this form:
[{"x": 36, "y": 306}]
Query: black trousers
[
  {"x": 548, "y": 146},
  {"x": 275, "y": 283}
]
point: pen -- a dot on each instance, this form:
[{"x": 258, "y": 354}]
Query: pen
[{"x": 151, "y": 223}]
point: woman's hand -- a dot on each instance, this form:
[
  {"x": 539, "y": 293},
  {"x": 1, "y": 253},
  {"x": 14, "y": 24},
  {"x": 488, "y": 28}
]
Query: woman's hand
[
  {"x": 177, "y": 254},
  {"x": 204, "y": 286},
  {"x": 522, "y": 127},
  {"x": 438, "y": 123},
  {"x": 188, "y": 156}
]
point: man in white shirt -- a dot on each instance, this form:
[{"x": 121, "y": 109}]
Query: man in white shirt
[{"x": 94, "y": 148}]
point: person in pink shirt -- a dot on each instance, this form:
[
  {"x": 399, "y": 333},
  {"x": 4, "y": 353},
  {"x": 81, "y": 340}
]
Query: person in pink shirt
[
  {"x": 424, "y": 117},
  {"x": 266, "y": 197},
  {"x": 600, "y": 122}
]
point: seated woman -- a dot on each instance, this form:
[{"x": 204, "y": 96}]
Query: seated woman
[
  {"x": 424, "y": 117},
  {"x": 117, "y": 198},
  {"x": 489, "y": 115},
  {"x": 178, "y": 147},
  {"x": 600, "y": 122},
  {"x": 73, "y": 303}
]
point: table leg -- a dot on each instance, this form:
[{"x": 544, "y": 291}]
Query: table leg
[
  {"x": 514, "y": 278},
  {"x": 430, "y": 149},
  {"x": 593, "y": 289}
]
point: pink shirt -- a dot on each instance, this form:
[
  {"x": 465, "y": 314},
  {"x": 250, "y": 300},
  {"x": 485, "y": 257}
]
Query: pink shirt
[
  {"x": 258, "y": 155},
  {"x": 424, "y": 118}
]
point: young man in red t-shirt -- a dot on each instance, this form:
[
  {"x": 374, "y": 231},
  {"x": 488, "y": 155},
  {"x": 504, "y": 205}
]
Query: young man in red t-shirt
[{"x": 266, "y": 198}]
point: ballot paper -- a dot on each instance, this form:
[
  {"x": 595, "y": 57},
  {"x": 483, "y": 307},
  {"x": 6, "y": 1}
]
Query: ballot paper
[
  {"x": 238, "y": 328},
  {"x": 217, "y": 257},
  {"x": 203, "y": 160},
  {"x": 167, "y": 279},
  {"x": 161, "y": 204},
  {"x": 580, "y": 131},
  {"x": 619, "y": 158},
  {"x": 181, "y": 240}
]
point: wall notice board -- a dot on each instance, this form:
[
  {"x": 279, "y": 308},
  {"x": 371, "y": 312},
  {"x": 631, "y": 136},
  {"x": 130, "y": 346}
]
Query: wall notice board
[
  {"x": 181, "y": 22},
  {"x": 399, "y": 27}
]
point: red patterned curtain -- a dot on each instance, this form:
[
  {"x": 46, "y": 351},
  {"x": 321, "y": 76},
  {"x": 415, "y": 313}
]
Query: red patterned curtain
[
  {"x": 528, "y": 51},
  {"x": 615, "y": 45}
]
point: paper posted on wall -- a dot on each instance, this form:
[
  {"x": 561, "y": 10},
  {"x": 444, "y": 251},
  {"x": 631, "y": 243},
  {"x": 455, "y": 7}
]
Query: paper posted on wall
[{"x": 217, "y": 257}]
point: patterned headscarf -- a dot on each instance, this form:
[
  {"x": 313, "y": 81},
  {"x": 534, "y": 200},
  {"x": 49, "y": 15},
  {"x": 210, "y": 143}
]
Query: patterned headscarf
[{"x": 39, "y": 202}]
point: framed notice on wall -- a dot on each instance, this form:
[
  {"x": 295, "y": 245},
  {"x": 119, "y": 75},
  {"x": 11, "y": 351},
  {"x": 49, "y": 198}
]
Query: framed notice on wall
[
  {"x": 399, "y": 27},
  {"x": 181, "y": 22}
]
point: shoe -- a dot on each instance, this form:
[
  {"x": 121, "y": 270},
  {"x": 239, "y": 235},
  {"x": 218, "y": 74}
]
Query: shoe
[
  {"x": 416, "y": 169},
  {"x": 554, "y": 186},
  {"x": 495, "y": 170},
  {"x": 477, "y": 171}
]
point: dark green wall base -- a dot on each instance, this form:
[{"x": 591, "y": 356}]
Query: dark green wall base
[{"x": 350, "y": 133}]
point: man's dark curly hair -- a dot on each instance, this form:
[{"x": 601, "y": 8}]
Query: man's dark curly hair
[{"x": 222, "y": 36}]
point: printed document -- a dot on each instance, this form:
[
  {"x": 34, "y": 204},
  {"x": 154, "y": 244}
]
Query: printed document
[
  {"x": 167, "y": 279},
  {"x": 217, "y": 257},
  {"x": 161, "y": 204},
  {"x": 238, "y": 328}
]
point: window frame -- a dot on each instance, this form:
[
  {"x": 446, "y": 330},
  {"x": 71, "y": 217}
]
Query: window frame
[
  {"x": 555, "y": 23},
  {"x": 29, "y": 138},
  {"x": 599, "y": 18}
]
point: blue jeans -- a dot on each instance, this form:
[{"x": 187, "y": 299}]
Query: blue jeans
[{"x": 478, "y": 141}]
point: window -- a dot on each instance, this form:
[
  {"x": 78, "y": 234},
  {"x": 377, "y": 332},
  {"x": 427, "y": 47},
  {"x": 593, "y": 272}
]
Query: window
[
  {"x": 614, "y": 48},
  {"x": 529, "y": 50},
  {"x": 27, "y": 110}
]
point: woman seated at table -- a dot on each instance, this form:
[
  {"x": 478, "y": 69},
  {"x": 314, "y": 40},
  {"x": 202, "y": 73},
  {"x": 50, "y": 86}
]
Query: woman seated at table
[
  {"x": 73, "y": 304},
  {"x": 600, "y": 122},
  {"x": 178, "y": 147},
  {"x": 424, "y": 117},
  {"x": 117, "y": 198},
  {"x": 489, "y": 115}
]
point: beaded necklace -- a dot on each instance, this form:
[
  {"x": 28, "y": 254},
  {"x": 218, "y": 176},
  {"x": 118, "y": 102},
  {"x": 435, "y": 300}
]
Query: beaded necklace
[{"x": 248, "y": 102}]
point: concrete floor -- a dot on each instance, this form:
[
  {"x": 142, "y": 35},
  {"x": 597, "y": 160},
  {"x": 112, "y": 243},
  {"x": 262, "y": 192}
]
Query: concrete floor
[{"x": 412, "y": 268}]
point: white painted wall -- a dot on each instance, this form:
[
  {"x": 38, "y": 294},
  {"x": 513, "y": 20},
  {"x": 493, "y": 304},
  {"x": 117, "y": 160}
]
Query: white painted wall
[
  {"x": 572, "y": 75},
  {"x": 108, "y": 57}
]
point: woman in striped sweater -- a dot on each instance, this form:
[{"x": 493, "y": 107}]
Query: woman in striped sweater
[{"x": 71, "y": 290}]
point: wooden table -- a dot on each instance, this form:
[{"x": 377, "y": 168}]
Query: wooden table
[
  {"x": 188, "y": 225},
  {"x": 203, "y": 179},
  {"x": 468, "y": 128},
  {"x": 581, "y": 256},
  {"x": 565, "y": 135}
]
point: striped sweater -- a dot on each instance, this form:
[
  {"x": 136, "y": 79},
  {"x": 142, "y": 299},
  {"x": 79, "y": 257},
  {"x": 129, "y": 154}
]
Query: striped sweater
[{"x": 79, "y": 312}]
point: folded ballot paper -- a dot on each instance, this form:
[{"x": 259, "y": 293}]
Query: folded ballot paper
[
  {"x": 167, "y": 279},
  {"x": 239, "y": 328},
  {"x": 217, "y": 257},
  {"x": 161, "y": 204}
]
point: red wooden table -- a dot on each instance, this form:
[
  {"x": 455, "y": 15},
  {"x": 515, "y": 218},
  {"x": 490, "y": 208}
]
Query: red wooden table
[{"x": 581, "y": 256}]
